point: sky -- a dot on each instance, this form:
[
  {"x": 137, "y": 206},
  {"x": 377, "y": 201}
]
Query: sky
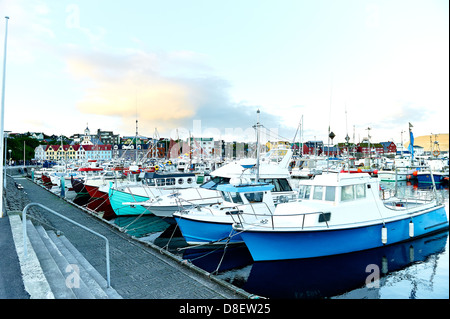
[{"x": 204, "y": 67}]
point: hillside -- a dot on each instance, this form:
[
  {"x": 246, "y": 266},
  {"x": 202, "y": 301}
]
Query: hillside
[{"x": 424, "y": 141}]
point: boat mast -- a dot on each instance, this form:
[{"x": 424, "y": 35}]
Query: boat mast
[
  {"x": 257, "y": 145},
  {"x": 135, "y": 142}
]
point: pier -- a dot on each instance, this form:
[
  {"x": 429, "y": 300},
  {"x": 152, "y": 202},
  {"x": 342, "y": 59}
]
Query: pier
[{"x": 137, "y": 270}]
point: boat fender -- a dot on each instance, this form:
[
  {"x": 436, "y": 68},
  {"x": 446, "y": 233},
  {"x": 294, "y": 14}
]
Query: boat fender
[
  {"x": 411, "y": 229},
  {"x": 384, "y": 235}
]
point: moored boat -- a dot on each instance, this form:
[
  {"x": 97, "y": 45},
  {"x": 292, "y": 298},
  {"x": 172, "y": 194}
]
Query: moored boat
[
  {"x": 336, "y": 214},
  {"x": 213, "y": 224},
  {"x": 124, "y": 197}
]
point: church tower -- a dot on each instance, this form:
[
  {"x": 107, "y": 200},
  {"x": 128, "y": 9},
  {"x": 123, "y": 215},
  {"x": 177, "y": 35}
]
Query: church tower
[{"x": 87, "y": 137}]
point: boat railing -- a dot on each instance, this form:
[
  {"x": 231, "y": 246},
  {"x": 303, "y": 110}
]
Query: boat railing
[
  {"x": 286, "y": 221},
  {"x": 434, "y": 194},
  {"x": 181, "y": 202}
]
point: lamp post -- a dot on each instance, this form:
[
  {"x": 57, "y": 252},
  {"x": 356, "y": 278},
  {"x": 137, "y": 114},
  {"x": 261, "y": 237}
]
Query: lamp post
[{"x": 2, "y": 119}]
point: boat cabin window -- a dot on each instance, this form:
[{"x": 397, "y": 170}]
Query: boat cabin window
[
  {"x": 148, "y": 181},
  {"x": 160, "y": 182},
  {"x": 236, "y": 198},
  {"x": 170, "y": 181},
  {"x": 304, "y": 191},
  {"x": 351, "y": 192},
  {"x": 232, "y": 197},
  {"x": 254, "y": 197},
  {"x": 324, "y": 193},
  {"x": 360, "y": 191},
  {"x": 347, "y": 193},
  {"x": 329, "y": 193},
  {"x": 318, "y": 192},
  {"x": 226, "y": 197}
]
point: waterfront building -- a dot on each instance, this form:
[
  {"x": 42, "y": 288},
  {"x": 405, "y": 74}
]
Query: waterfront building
[
  {"x": 39, "y": 153},
  {"x": 97, "y": 152}
]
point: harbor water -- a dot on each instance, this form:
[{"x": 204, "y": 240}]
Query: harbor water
[{"x": 416, "y": 269}]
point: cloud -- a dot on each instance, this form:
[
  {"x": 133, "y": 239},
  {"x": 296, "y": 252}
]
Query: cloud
[{"x": 143, "y": 84}]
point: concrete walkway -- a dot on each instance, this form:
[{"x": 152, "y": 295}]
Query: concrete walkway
[{"x": 138, "y": 271}]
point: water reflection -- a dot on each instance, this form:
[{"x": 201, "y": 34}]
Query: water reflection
[{"x": 335, "y": 275}]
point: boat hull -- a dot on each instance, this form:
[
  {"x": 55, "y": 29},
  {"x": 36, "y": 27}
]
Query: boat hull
[
  {"x": 204, "y": 232},
  {"x": 78, "y": 186},
  {"x": 281, "y": 245},
  {"x": 390, "y": 176},
  {"x": 100, "y": 202},
  {"x": 117, "y": 198},
  {"x": 426, "y": 178}
]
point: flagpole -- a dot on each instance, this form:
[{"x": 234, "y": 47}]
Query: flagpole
[{"x": 2, "y": 122}]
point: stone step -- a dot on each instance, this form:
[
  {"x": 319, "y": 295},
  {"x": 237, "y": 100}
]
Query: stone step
[
  {"x": 77, "y": 268},
  {"x": 68, "y": 273},
  {"x": 111, "y": 292},
  {"x": 56, "y": 279}
]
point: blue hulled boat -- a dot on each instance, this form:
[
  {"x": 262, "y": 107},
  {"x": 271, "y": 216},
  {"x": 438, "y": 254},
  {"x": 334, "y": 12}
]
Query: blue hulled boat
[
  {"x": 336, "y": 214},
  {"x": 438, "y": 177}
]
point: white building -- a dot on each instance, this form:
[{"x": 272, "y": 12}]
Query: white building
[{"x": 39, "y": 153}]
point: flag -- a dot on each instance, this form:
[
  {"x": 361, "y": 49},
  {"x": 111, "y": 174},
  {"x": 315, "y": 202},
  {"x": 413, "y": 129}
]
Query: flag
[{"x": 411, "y": 143}]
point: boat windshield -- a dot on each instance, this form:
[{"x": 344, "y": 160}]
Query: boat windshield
[
  {"x": 280, "y": 184},
  {"x": 232, "y": 197},
  {"x": 256, "y": 197},
  {"x": 213, "y": 182}
]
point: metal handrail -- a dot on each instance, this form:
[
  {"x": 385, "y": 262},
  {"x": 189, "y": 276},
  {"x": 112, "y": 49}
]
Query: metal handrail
[{"x": 24, "y": 227}]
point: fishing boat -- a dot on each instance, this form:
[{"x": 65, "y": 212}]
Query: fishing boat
[
  {"x": 124, "y": 196},
  {"x": 213, "y": 224},
  {"x": 439, "y": 172},
  {"x": 339, "y": 213},
  {"x": 438, "y": 177}
]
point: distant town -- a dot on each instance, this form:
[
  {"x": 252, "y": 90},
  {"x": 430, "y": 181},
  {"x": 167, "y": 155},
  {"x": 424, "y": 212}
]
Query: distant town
[{"x": 105, "y": 146}]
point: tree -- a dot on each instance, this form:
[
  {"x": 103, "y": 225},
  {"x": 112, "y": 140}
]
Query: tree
[{"x": 16, "y": 143}]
